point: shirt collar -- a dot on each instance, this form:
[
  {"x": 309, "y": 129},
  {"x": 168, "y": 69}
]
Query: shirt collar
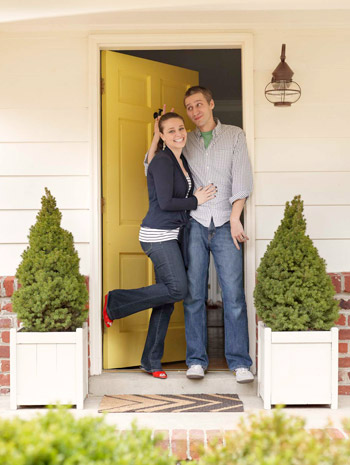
[{"x": 216, "y": 130}]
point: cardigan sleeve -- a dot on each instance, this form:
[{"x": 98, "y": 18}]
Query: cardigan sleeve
[{"x": 162, "y": 170}]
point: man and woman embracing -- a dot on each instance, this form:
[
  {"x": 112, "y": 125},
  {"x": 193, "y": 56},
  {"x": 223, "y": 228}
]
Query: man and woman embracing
[{"x": 198, "y": 183}]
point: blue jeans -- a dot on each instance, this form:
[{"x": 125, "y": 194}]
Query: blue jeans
[
  {"x": 228, "y": 264},
  {"x": 170, "y": 287}
]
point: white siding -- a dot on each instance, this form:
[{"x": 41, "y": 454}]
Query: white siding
[
  {"x": 316, "y": 188},
  {"x": 323, "y": 221},
  {"x": 26, "y": 191},
  {"x": 335, "y": 252},
  {"x": 35, "y": 159},
  {"x": 43, "y": 138},
  {"x": 43, "y": 71},
  {"x": 302, "y": 154},
  {"x": 11, "y": 256},
  {"x": 18, "y": 223},
  {"x": 327, "y": 225},
  {"x": 305, "y": 149},
  {"x": 299, "y": 150},
  {"x": 43, "y": 124}
]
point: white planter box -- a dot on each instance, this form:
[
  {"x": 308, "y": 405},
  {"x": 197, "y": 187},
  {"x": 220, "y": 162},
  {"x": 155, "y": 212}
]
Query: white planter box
[
  {"x": 47, "y": 368},
  {"x": 297, "y": 367}
]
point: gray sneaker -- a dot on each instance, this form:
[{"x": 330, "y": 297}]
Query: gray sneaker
[
  {"x": 243, "y": 375},
  {"x": 195, "y": 372}
]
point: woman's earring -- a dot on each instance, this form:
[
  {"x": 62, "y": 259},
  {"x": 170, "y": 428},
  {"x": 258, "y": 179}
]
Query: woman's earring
[{"x": 164, "y": 145}]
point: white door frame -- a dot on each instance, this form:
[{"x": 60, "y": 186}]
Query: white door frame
[{"x": 148, "y": 41}]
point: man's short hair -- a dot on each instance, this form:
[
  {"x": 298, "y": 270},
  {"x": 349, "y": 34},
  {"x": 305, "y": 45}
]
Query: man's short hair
[{"x": 199, "y": 89}]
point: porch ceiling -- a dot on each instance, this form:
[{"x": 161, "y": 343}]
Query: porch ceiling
[{"x": 107, "y": 11}]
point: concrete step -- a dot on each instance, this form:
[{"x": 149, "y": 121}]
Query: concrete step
[{"x": 214, "y": 382}]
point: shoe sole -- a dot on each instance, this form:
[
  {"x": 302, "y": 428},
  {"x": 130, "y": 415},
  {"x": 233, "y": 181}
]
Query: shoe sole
[
  {"x": 195, "y": 376},
  {"x": 246, "y": 381}
]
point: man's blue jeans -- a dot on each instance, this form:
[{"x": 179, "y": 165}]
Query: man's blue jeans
[
  {"x": 228, "y": 264},
  {"x": 170, "y": 287}
]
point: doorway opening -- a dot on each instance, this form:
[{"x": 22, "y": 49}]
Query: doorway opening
[{"x": 219, "y": 70}]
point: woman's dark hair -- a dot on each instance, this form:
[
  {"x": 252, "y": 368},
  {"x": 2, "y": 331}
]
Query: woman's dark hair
[{"x": 161, "y": 122}]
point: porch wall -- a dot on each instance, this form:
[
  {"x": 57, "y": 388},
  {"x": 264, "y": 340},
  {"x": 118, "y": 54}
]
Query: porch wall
[
  {"x": 44, "y": 138},
  {"x": 305, "y": 149}
]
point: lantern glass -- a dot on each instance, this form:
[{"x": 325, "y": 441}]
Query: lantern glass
[{"x": 282, "y": 92}]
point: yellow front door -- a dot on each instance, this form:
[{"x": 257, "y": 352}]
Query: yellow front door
[{"x": 133, "y": 89}]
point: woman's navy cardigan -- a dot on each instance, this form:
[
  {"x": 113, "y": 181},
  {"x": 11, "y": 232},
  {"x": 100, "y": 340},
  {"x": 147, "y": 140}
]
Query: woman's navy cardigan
[{"x": 167, "y": 189}]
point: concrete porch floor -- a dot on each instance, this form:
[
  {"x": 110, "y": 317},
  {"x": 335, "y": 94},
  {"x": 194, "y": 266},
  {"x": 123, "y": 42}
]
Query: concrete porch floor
[
  {"x": 214, "y": 382},
  {"x": 183, "y": 433}
]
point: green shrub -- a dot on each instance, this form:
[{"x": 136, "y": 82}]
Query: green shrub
[
  {"x": 57, "y": 438},
  {"x": 293, "y": 291},
  {"x": 53, "y": 293},
  {"x": 277, "y": 440}
]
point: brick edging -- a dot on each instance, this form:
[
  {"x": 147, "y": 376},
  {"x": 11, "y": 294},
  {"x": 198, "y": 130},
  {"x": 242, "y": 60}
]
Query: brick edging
[
  {"x": 8, "y": 320},
  {"x": 185, "y": 444},
  {"x": 341, "y": 283}
]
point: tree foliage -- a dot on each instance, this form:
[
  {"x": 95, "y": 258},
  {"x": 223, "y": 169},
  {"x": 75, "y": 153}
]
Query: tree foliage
[
  {"x": 293, "y": 291},
  {"x": 52, "y": 294}
]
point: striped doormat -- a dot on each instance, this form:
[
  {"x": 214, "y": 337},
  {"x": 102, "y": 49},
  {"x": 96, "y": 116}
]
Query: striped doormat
[{"x": 164, "y": 403}]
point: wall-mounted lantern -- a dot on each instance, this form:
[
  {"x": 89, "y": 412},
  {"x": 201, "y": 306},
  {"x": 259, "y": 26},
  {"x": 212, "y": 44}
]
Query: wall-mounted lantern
[{"x": 282, "y": 91}]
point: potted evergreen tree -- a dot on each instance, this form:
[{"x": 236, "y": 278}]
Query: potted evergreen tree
[
  {"x": 294, "y": 298},
  {"x": 48, "y": 355}
]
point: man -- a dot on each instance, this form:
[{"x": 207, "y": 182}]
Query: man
[{"x": 216, "y": 153}]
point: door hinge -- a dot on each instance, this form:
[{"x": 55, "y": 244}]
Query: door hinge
[
  {"x": 103, "y": 203},
  {"x": 102, "y": 86}
]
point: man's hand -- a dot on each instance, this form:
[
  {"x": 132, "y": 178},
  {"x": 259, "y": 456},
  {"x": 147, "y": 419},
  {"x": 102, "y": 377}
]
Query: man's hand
[
  {"x": 156, "y": 127},
  {"x": 156, "y": 136},
  {"x": 237, "y": 232}
]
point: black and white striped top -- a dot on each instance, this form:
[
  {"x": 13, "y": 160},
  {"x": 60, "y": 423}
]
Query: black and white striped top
[{"x": 161, "y": 235}]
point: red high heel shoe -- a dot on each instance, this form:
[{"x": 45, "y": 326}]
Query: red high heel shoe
[
  {"x": 159, "y": 374},
  {"x": 107, "y": 320},
  {"x": 156, "y": 374}
]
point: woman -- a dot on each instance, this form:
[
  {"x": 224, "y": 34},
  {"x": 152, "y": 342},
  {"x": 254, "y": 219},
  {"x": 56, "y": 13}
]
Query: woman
[{"x": 170, "y": 191}]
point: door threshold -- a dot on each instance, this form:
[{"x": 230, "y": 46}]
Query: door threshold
[
  {"x": 218, "y": 364},
  {"x": 168, "y": 370},
  {"x": 115, "y": 382}
]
